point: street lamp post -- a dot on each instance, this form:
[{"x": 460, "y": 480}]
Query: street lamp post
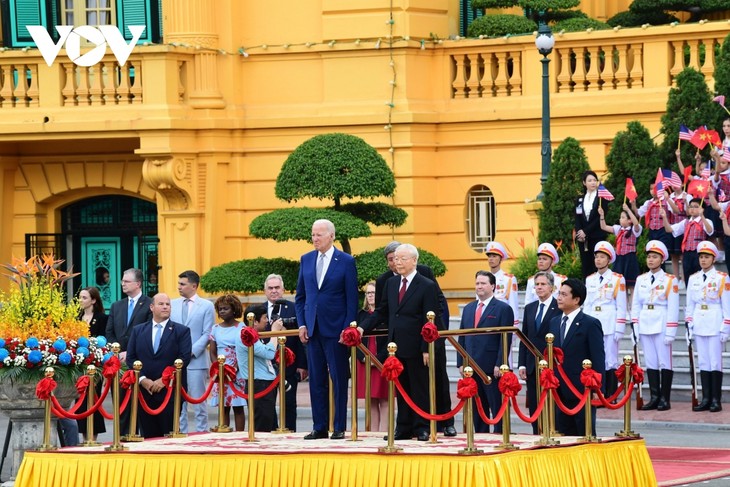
[{"x": 544, "y": 43}]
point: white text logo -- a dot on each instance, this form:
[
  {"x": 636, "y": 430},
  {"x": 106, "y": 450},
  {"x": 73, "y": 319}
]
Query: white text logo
[{"x": 99, "y": 36}]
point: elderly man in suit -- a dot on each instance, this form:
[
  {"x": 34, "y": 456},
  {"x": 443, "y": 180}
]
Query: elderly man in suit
[
  {"x": 296, "y": 372},
  {"x": 158, "y": 343},
  {"x": 486, "y": 350},
  {"x": 406, "y": 300},
  {"x": 580, "y": 336},
  {"x": 443, "y": 390},
  {"x": 535, "y": 325},
  {"x": 198, "y": 314},
  {"x": 325, "y": 303},
  {"x": 124, "y": 315}
]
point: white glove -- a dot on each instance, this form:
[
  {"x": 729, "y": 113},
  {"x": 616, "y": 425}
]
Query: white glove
[
  {"x": 668, "y": 340},
  {"x": 617, "y": 337},
  {"x": 724, "y": 337}
]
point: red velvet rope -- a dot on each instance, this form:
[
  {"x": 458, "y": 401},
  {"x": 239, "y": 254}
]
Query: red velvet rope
[
  {"x": 466, "y": 388},
  {"x": 637, "y": 373},
  {"x": 44, "y": 388},
  {"x": 392, "y": 368},
  {"x": 591, "y": 379},
  {"x": 548, "y": 379},
  {"x": 607, "y": 402},
  {"x": 499, "y": 414},
  {"x": 228, "y": 371},
  {"x": 155, "y": 412},
  {"x": 111, "y": 367},
  {"x": 128, "y": 379},
  {"x": 289, "y": 356},
  {"x": 193, "y": 400},
  {"x": 82, "y": 383},
  {"x": 536, "y": 414},
  {"x": 81, "y": 400},
  {"x": 568, "y": 382},
  {"x": 509, "y": 385},
  {"x": 249, "y": 336},
  {"x": 258, "y": 395},
  {"x": 122, "y": 407},
  {"x": 168, "y": 375},
  {"x": 424, "y": 414},
  {"x": 575, "y": 410},
  {"x": 351, "y": 337},
  {"x": 429, "y": 332}
]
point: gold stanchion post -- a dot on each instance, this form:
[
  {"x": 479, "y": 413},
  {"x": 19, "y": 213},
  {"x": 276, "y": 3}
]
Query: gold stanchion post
[
  {"x": 368, "y": 392},
  {"x": 221, "y": 427},
  {"x": 550, "y": 339},
  {"x": 91, "y": 373},
  {"x": 251, "y": 389},
  {"x": 47, "y": 446},
  {"x": 134, "y": 406},
  {"x": 353, "y": 392},
  {"x": 116, "y": 439},
  {"x": 282, "y": 386},
  {"x": 431, "y": 316},
  {"x": 547, "y": 439},
  {"x": 469, "y": 421},
  {"x": 391, "y": 448},
  {"x": 588, "y": 438},
  {"x": 175, "y": 433},
  {"x": 506, "y": 424},
  {"x": 626, "y": 432}
]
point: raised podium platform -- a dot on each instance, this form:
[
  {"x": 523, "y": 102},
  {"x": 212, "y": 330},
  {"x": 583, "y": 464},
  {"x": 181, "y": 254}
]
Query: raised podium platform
[{"x": 273, "y": 460}]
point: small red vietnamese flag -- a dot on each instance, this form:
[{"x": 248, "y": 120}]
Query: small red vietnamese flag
[
  {"x": 630, "y": 190},
  {"x": 714, "y": 138},
  {"x": 700, "y": 138},
  {"x": 687, "y": 174},
  {"x": 698, "y": 188},
  {"x": 659, "y": 185}
]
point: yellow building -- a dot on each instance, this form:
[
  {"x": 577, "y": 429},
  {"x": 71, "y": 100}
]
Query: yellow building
[{"x": 162, "y": 163}]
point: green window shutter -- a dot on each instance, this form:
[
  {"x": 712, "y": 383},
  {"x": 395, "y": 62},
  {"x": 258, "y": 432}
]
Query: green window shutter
[
  {"x": 139, "y": 12},
  {"x": 468, "y": 14},
  {"x": 17, "y": 14}
]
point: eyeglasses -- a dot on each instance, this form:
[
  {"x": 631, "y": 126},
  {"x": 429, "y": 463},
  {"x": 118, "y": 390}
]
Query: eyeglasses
[
  {"x": 403, "y": 259},
  {"x": 370, "y": 293}
]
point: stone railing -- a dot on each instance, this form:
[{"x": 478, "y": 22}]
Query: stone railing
[{"x": 620, "y": 59}]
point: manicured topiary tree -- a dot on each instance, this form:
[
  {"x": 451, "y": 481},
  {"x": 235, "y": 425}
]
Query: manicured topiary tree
[
  {"x": 580, "y": 24},
  {"x": 499, "y": 25},
  {"x": 636, "y": 19},
  {"x": 696, "y": 8},
  {"x": 633, "y": 154},
  {"x": 333, "y": 167},
  {"x": 563, "y": 186},
  {"x": 508, "y": 24},
  {"x": 690, "y": 104},
  {"x": 248, "y": 276}
]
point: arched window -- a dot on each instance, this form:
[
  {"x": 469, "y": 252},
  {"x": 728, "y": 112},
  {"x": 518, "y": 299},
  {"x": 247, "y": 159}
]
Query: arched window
[{"x": 481, "y": 217}]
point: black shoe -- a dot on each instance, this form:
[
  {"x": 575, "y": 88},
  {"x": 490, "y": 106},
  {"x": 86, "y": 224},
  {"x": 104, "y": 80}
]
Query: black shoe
[
  {"x": 704, "y": 405},
  {"x": 423, "y": 436},
  {"x": 715, "y": 406},
  {"x": 449, "y": 431},
  {"x": 337, "y": 435},
  {"x": 316, "y": 435},
  {"x": 663, "y": 405},
  {"x": 400, "y": 435}
]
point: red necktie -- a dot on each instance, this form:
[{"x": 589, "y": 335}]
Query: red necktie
[
  {"x": 478, "y": 314},
  {"x": 402, "y": 291},
  {"x": 687, "y": 231}
]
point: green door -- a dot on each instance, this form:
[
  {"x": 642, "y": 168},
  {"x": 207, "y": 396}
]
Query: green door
[{"x": 100, "y": 266}]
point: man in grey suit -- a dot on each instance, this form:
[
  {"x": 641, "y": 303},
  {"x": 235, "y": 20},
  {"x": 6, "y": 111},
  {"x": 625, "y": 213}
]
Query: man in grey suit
[
  {"x": 198, "y": 315},
  {"x": 124, "y": 315}
]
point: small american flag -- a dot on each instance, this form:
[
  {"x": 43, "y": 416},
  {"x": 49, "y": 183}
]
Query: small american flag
[
  {"x": 706, "y": 173},
  {"x": 659, "y": 188},
  {"x": 685, "y": 133},
  {"x": 671, "y": 178},
  {"x": 604, "y": 193},
  {"x": 726, "y": 154}
]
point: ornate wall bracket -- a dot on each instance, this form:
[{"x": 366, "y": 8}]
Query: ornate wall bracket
[{"x": 171, "y": 177}]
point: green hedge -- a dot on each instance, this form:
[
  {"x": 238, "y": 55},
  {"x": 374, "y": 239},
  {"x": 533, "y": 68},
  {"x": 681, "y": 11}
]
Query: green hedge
[
  {"x": 501, "y": 25},
  {"x": 579, "y": 24}
]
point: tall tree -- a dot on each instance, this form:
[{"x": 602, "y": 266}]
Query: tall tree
[
  {"x": 722, "y": 82},
  {"x": 561, "y": 189}
]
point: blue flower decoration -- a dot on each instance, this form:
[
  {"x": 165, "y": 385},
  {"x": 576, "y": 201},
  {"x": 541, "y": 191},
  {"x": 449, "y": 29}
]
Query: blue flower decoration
[
  {"x": 2, "y": 343},
  {"x": 106, "y": 357},
  {"x": 35, "y": 356},
  {"x": 3, "y": 354},
  {"x": 59, "y": 345},
  {"x": 83, "y": 351},
  {"x": 83, "y": 342},
  {"x": 64, "y": 358},
  {"x": 31, "y": 342},
  {"x": 101, "y": 341}
]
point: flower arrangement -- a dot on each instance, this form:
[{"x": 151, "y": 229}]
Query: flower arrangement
[{"x": 40, "y": 328}]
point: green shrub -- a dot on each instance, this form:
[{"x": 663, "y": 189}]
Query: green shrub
[
  {"x": 524, "y": 266},
  {"x": 248, "y": 276},
  {"x": 372, "y": 263},
  {"x": 569, "y": 264},
  {"x": 501, "y": 25},
  {"x": 637, "y": 19},
  {"x": 578, "y": 24}
]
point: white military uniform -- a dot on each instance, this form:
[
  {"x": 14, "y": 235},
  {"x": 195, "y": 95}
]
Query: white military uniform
[
  {"x": 708, "y": 315},
  {"x": 506, "y": 290},
  {"x": 655, "y": 313},
  {"x": 606, "y": 301},
  {"x": 530, "y": 295}
]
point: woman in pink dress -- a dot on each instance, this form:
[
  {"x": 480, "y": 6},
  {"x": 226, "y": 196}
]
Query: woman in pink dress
[{"x": 378, "y": 385}]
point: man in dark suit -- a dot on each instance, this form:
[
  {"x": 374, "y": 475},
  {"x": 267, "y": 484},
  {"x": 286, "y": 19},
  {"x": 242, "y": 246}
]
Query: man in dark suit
[
  {"x": 443, "y": 390},
  {"x": 406, "y": 300},
  {"x": 296, "y": 372},
  {"x": 580, "y": 336},
  {"x": 124, "y": 315},
  {"x": 486, "y": 350},
  {"x": 158, "y": 343},
  {"x": 326, "y": 302},
  {"x": 535, "y": 325}
]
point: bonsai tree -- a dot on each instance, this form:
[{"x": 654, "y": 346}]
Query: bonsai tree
[
  {"x": 331, "y": 167},
  {"x": 696, "y": 8},
  {"x": 563, "y": 186},
  {"x": 633, "y": 154},
  {"x": 690, "y": 104}
]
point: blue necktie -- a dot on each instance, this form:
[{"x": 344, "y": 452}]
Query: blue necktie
[
  {"x": 563, "y": 324},
  {"x": 185, "y": 307},
  {"x": 158, "y": 335},
  {"x": 538, "y": 320},
  {"x": 130, "y": 311}
]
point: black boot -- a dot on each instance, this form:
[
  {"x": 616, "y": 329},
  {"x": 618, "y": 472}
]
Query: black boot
[
  {"x": 706, "y": 380},
  {"x": 715, "y": 405},
  {"x": 666, "y": 390},
  {"x": 653, "y": 376}
]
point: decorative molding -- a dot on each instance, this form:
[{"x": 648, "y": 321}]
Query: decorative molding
[{"x": 171, "y": 178}]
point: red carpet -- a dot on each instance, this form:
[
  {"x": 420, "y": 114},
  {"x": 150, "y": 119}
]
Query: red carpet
[{"x": 676, "y": 466}]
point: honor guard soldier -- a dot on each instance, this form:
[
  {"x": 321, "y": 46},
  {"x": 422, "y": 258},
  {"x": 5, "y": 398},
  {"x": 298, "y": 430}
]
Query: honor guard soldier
[
  {"x": 606, "y": 301},
  {"x": 655, "y": 313},
  {"x": 547, "y": 257},
  {"x": 506, "y": 287},
  {"x": 708, "y": 321}
]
